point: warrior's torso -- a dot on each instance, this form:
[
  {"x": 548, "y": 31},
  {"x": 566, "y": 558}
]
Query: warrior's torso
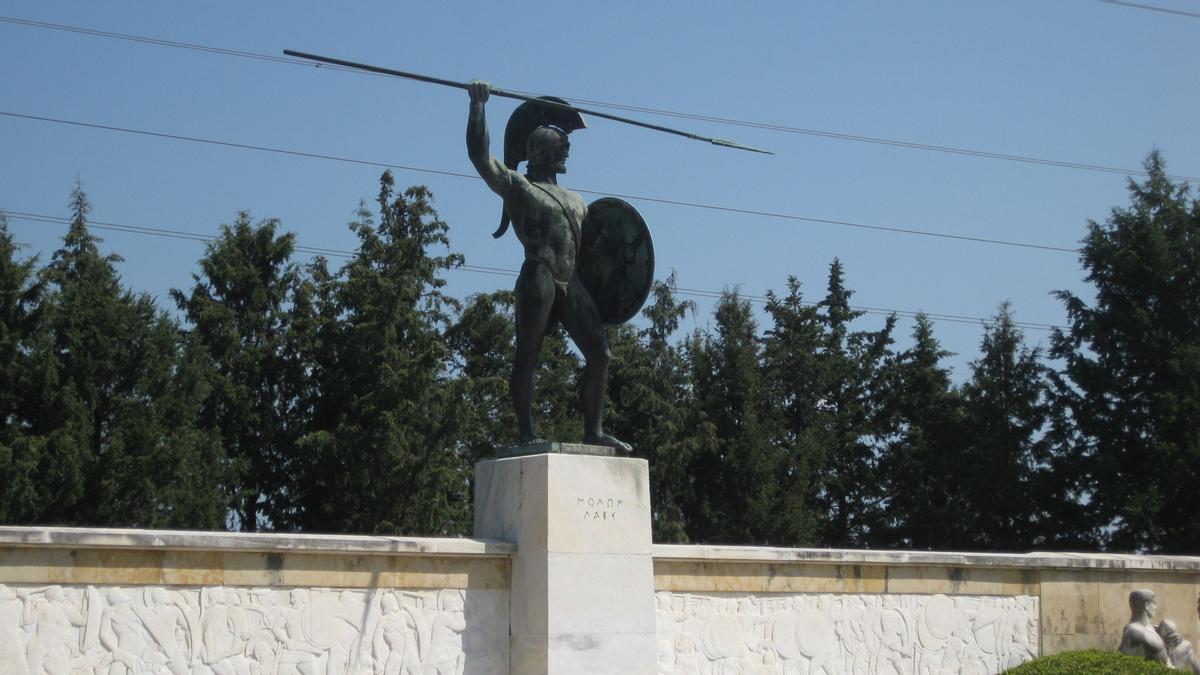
[
  {"x": 1143, "y": 641},
  {"x": 547, "y": 219}
]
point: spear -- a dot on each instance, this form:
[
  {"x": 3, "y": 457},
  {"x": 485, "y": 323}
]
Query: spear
[{"x": 522, "y": 97}]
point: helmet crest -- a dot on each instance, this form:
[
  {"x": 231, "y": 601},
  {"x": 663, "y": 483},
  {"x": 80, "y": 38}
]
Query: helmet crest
[{"x": 528, "y": 117}]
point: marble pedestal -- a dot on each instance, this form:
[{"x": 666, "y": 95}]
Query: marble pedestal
[{"x": 582, "y": 595}]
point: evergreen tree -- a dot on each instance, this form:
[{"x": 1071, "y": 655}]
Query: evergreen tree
[
  {"x": 481, "y": 344},
  {"x": 557, "y": 404},
  {"x": 735, "y": 493},
  {"x": 798, "y": 379},
  {"x": 648, "y": 400},
  {"x": 848, "y": 399},
  {"x": 21, "y": 324},
  {"x": 1132, "y": 368},
  {"x": 482, "y": 348},
  {"x": 1014, "y": 500},
  {"x": 309, "y": 362},
  {"x": 386, "y": 457},
  {"x": 117, "y": 445},
  {"x": 238, "y": 313},
  {"x": 922, "y": 466}
]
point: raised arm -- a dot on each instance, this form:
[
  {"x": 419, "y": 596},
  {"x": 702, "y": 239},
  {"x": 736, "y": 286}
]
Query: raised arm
[{"x": 496, "y": 175}]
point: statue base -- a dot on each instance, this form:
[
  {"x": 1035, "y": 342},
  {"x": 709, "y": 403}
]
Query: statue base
[
  {"x": 582, "y": 594},
  {"x": 555, "y": 448}
]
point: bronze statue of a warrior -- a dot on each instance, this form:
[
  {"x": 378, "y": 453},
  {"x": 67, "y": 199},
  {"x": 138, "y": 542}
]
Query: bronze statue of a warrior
[
  {"x": 550, "y": 222},
  {"x": 585, "y": 265}
]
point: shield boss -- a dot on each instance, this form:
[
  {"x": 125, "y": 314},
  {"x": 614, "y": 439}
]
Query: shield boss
[{"x": 616, "y": 259}]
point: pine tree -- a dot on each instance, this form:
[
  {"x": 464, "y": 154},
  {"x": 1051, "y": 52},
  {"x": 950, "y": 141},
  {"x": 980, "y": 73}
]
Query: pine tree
[
  {"x": 21, "y": 324},
  {"x": 922, "y": 465},
  {"x": 481, "y": 344},
  {"x": 798, "y": 379},
  {"x": 117, "y": 442},
  {"x": 848, "y": 400},
  {"x": 308, "y": 362},
  {"x": 386, "y": 456},
  {"x": 557, "y": 404},
  {"x": 1014, "y": 500},
  {"x": 735, "y": 465},
  {"x": 648, "y": 400},
  {"x": 238, "y": 314},
  {"x": 1132, "y": 368}
]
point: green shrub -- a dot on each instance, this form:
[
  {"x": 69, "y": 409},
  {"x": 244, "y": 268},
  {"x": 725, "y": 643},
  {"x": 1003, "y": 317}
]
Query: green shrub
[{"x": 1089, "y": 662}]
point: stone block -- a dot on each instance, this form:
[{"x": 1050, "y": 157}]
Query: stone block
[
  {"x": 587, "y": 653},
  {"x": 555, "y": 448},
  {"x": 338, "y": 571},
  {"x": 694, "y": 576},
  {"x": 505, "y": 491},
  {"x": 192, "y": 568},
  {"x": 1071, "y": 603},
  {"x": 530, "y": 610},
  {"x": 582, "y": 598},
  {"x": 825, "y": 579},
  {"x": 116, "y": 566},
  {"x": 252, "y": 569},
  {"x": 35, "y": 566},
  {"x": 959, "y": 580},
  {"x": 599, "y": 653},
  {"x": 599, "y": 504},
  {"x": 599, "y": 593}
]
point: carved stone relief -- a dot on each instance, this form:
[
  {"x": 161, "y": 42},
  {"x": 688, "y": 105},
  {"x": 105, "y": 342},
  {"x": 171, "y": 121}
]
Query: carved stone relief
[
  {"x": 814, "y": 634},
  {"x": 110, "y": 630}
]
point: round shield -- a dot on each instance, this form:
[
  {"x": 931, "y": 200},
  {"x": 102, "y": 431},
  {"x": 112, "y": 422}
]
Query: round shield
[{"x": 616, "y": 259}]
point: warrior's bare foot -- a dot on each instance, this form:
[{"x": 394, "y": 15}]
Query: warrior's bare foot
[
  {"x": 529, "y": 439},
  {"x": 609, "y": 442}
]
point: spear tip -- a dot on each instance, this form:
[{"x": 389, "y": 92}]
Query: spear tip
[{"x": 738, "y": 146}]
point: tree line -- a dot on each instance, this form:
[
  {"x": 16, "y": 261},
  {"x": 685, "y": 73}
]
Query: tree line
[{"x": 295, "y": 396}]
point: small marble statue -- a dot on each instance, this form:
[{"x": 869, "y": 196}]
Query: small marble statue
[
  {"x": 1140, "y": 638},
  {"x": 1182, "y": 654}
]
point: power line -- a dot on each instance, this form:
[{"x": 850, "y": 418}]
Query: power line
[
  {"x": 1152, "y": 8},
  {"x": 231, "y": 144},
  {"x": 768, "y": 126},
  {"x": 657, "y": 200},
  {"x": 881, "y": 311},
  {"x": 206, "y": 238},
  {"x": 152, "y": 40},
  {"x": 879, "y": 141},
  {"x": 500, "y": 271}
]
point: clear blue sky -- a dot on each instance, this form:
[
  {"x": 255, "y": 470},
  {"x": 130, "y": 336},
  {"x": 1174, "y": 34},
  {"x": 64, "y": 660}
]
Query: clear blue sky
[{"x": 1070, "y": 80}]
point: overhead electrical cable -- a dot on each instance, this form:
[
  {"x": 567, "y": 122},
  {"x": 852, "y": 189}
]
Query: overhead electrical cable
[
  {"x": 881, "y": 311},
  {"x": 768, "y": 126},
  {"x": 658, "y": 200},
  {"x": 231, "y": 144},
  {"x": 207, "y": 238},
  {"x": 879, "y": 141},
  {"x": 1152, "y": 8},
  {"x": 484, "y": 269}
]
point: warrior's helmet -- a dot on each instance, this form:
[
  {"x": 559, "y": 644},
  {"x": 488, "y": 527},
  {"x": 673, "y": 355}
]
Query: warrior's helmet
[{"x": 531, "y": 120}]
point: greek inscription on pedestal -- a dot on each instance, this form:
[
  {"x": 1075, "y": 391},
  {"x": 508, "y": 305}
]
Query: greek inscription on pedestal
[{"x": 599, "y": 508}]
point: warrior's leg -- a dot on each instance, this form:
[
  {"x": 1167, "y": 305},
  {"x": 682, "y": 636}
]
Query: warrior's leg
[
  {"x": 584, "y": 325},
  {"x": 534, "y": 300}
]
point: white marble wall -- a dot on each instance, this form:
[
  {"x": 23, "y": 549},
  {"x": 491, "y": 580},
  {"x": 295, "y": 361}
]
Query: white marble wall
[
  {"x": 113, "y": 630},
  {"x": 830, "y": 634}
]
